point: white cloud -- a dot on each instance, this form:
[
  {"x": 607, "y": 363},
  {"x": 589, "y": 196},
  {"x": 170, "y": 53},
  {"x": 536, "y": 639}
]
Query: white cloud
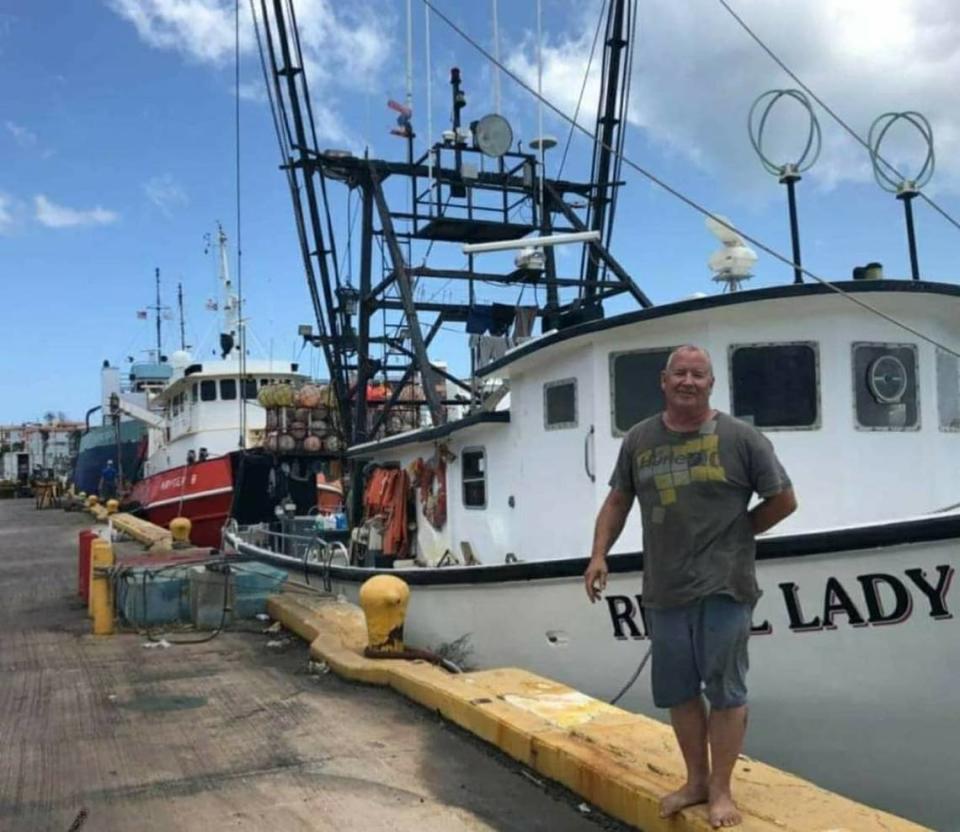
[
  {"x": 21, "y": 135},
  {"x": 345, "y": 48},
  {"x": 697, "y": 73},
  {"x": 59, "y": 216},
  {"x": 6, "y": 213},
  {"x": 167, "y": 194}
]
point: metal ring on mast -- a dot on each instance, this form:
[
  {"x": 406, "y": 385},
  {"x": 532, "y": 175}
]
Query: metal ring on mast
[
  {"x": 900, "y": 184},
  {"x": 806, "y": 159}
]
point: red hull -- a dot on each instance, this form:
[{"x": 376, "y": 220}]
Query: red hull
[{"x": 202, "y": 492}]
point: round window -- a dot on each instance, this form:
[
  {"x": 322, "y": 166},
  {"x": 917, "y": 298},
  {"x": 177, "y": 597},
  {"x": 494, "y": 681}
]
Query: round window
[{"x": 887, "y": 379}]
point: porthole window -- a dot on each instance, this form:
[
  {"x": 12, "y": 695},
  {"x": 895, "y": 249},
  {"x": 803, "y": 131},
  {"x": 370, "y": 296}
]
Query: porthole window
[
  {"x": 776, "y": 386},
  {"x": 635, "y": 386},
  {"x": 474, "y": 473},
  {"x": 208, "y": 391},
  {"x": 560, "y": 404},
  {"x": 948, "y": 391},
  {"x": 228, "y": 389},
  {"x": 885, "y": 386}
]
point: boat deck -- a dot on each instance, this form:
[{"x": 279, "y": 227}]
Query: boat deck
[{"x": 100, "y": 733}]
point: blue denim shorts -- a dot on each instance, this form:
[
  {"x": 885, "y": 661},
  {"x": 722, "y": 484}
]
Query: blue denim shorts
[{"x": 701, "y": 647}]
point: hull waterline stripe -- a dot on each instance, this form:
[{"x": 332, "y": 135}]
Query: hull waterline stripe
[{"x": 187, "y": 497}]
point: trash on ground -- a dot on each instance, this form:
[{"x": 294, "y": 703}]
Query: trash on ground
[
  {"x": 317, "y": 668},
  {"x": 278, "y": 642},
  {"x": 162, "y": 643},
  {"x": 262, "y": 616},
  {"x": 276, "y": 627},
  {"x": 584, "y": 809}
]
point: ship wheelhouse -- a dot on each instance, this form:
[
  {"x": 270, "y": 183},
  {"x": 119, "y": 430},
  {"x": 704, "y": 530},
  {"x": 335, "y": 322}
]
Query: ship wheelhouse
[{"x": 864, "y": 415}]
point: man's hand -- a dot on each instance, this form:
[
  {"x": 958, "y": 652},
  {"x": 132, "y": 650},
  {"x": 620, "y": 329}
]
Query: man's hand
[{"x": 595, "y": 578}]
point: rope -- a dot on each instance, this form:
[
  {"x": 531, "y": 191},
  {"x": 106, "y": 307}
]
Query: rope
[
  {"x": 831, "y": 113},
  {"x": 242, "y": 345},
  {"x": 690, "y": 202}
]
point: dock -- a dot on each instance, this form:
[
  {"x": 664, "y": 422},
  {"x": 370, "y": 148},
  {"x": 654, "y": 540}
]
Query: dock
[{"x": 101, "y": 733}]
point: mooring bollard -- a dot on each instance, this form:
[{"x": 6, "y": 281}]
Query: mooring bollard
[
  {"x": 101, "y": 588},
  {"x": 180, "y": 532},
  {"x": 384, "y": 601}
]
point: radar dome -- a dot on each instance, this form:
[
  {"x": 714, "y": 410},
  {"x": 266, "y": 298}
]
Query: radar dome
[{"x": 180, "y": 359}]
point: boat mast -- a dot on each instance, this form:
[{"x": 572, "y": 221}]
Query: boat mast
[
  {"x": 158, "y": 309},
  {"x": 183, "y": 336},
  {"x": 230, "y": 302}
]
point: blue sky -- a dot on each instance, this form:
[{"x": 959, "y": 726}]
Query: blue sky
[{"x": 118, "y": 148}]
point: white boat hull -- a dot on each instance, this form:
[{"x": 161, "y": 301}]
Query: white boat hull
[{"x": 855, "y": 659}]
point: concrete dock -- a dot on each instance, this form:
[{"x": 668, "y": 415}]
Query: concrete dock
[{"x": 101, "y": 733}]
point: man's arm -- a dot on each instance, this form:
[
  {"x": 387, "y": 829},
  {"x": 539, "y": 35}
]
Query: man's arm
[
  {"x": 772, "y": 510},
  {"x": 610, "y": 521}
]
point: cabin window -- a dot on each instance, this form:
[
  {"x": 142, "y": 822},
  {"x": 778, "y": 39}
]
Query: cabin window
[
  {"x": 264, "y": 382},
  {"x": 885, "y": 386},
  {"x": 249, "y": 388},
  {"x": 948, "y": 390},
  {"x": 176, "y": 405},
  {"x": 208, "y": 391},
  {"x": 776, "y": 386},
  {"x": 560, "y": 404},
  {"x": 193, "y": 393},
  {"x": 635, "y": 386},
  {"x": 228, "y": 389},
  {"x": 474, "y": 471}
]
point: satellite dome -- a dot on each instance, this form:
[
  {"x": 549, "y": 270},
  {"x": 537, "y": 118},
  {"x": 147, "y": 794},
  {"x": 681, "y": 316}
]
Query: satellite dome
[{"x": 180, "y": 359}]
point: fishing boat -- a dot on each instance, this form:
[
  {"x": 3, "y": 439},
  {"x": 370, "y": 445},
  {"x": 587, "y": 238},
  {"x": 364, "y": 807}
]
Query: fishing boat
[
  {"x": 120, "y": 439},
  {"x": 857, "y": 383},
  {"x": 206, "y": 454}
]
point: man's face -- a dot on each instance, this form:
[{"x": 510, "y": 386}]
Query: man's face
[{"x": 687, "y": 382}]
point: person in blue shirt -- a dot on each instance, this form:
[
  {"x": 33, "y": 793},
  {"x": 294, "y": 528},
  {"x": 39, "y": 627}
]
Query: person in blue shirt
[{"x": 108, "y": 481}]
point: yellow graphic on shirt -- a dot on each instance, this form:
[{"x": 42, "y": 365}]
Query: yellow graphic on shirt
[{"x": 674, "y": 466}]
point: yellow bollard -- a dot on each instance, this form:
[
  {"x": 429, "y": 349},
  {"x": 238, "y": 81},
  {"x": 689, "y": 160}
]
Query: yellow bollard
[
  {"x": 384, "y": 601},
  {"x": 101, "y": 588},
  {"x": 180, "y": 532},
  {"x": 113, "y": 506},
  {"x": 92, "y": 500}
]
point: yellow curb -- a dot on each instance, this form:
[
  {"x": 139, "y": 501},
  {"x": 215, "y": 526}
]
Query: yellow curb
[{"x": 620, "y": 762}]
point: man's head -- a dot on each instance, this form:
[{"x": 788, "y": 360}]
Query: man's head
[
  {"x": 109, "y": 462},
  {"x": 687, "y": 380}
]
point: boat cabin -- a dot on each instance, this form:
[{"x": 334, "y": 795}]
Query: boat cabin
[
  {"x": 200, "y": 409},
  {"x": 863, "y": 413}
]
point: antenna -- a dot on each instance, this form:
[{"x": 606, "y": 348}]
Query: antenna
[
  {"x": 789, "y": 172},
  {"x": 905, "y": 189},
  {"x": 183, "y": 337},
  {"x": 732, "y": 264}
]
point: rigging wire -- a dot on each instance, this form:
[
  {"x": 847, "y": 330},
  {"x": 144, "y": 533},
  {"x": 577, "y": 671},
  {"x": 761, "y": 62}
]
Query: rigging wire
[
  {"x": 829, "y": 111},
  {"x": 691, "y": 203},
  {"x": 496, "y": 53},
  {"x": 540, "y": 136},
  {"x": 583, "y": 86},
  {"x": 241, "y": 325},
  {"x": 429, "y": 62}
]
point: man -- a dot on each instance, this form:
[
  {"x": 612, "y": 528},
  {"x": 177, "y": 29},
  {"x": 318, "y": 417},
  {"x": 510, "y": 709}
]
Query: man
[
  {"x": 694, "y": 471},
  {"x": 108, "y": 481}
]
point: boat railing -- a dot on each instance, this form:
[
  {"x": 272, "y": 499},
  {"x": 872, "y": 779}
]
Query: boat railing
[{"x": 314, "y": 547}]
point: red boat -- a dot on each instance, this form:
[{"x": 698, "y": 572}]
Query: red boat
[{"x": 201, "y": 492}]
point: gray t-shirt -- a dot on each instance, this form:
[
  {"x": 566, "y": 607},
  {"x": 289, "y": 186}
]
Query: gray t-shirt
[{"x": 693, "y": 490}]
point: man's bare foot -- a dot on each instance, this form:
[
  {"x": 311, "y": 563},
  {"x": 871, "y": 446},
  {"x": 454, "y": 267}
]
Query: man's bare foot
[
  {"x": 723, "y": 811},
  {"x": 690, "y": 795}
]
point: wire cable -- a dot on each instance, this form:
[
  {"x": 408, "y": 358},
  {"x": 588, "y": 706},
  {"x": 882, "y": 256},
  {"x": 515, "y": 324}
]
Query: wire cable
[
  {"x": 583, "y": 86},
  {"x": 691, "y": 202},
  {"x": 830, "y": 112}
]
